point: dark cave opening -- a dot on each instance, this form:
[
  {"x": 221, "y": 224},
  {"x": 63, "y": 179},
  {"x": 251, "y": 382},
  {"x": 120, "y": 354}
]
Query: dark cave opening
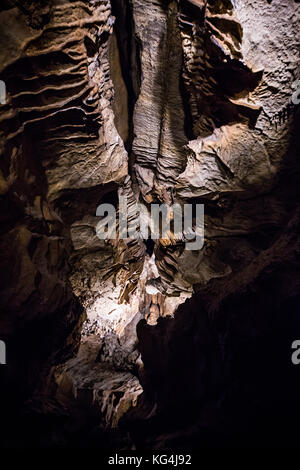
[{"x": 150, "y": 245}]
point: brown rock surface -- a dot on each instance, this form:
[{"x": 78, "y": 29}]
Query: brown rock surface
[{"x": 160, "y": 101}]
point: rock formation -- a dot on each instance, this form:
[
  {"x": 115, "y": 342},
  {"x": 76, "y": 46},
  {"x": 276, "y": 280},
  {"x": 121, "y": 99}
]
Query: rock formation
[{"x": 159, "y": 101}]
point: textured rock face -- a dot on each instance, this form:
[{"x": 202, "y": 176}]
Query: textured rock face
[
  {"x": 159, "y": 116},
  {"x": 61, "y": 154},
  {"x": 230, "y": 71},
  {"x": 219, "y": 374},
  {"x": 160, "y": 101},
  {"x": 95, "y": 385}
]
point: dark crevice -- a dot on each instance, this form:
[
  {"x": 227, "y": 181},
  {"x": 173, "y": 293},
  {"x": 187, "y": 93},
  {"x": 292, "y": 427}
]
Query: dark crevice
[
  {"x": 188, "y": 118},
  {"x": 129, "y": 50}
]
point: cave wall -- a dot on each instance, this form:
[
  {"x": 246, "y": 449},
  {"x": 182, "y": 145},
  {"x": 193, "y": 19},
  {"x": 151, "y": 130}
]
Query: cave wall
[
  {"x": 61, "y": 154},
  {"x": 162, "y": 101},
  {"x": 220, "y": 375}
]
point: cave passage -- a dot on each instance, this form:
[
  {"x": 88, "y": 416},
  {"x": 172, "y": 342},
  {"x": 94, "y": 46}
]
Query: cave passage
[{"x": 131, "y": 343}]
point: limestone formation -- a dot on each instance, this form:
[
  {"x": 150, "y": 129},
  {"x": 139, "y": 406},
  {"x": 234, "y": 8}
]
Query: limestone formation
[{"x": 158, "y": 101}]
